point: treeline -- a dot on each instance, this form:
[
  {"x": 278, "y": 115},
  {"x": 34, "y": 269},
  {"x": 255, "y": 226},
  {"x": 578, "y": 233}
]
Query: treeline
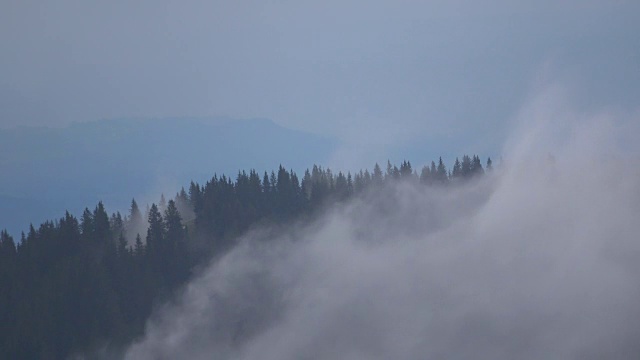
[{"x": 75, "y": 285}]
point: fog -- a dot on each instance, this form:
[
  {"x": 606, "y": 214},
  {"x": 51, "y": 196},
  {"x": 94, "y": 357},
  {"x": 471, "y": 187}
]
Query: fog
[{"x": 536, "y": 260}]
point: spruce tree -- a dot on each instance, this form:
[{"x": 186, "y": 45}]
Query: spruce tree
[
  {"x": 457, "y": 169},
  {"x": 441, "y": 172},
  {"x": 175, "y": 253},
  {"x": 465, "y": 168},
  {"x": 155, "y": 232},
  {"x": 476, "y": 166},
  {"x": 376, "y": 177},
  {"x": 425, "y": 175}
]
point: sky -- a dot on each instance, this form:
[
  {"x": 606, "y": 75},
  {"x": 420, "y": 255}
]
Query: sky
[{"x": 379, "y": 73}]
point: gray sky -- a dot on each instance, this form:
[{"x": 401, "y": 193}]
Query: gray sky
[{"x": 366, "y": 71}]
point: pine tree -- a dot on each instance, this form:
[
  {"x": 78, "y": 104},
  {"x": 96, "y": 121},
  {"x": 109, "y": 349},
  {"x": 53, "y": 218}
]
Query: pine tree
[
  {"x": 307, "y": 186},
  {"x": 342, "y": 187},
  {"x": 376, "y": 177},
  {"x": 465, "y": 168},
  {"x": 101, "y": 224},
  {"x": 441, "y": 172},
  {"x": 175, "y": 253},
  {"x": 117, "y": 225},
  {"x": 155, "y": 232},
  {"x": 135, "y": 223},
  {"x": 123, "y": 250},
  {"x": 425, "y": 175},
  {"x": 195, "y": 196},
  {"x": 7, "y": 247},
  {"x": 366, "y": 178},
  {"x": 457, "y": 169},
  {"x": 139, "y": 249},
  {"x": 86, "y": 225},
  {"x": 476, "y": 166},
  {"x": 162, "y": 205}
]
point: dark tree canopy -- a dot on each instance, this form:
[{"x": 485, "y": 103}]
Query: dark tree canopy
[{"x": 72, "y": 285}]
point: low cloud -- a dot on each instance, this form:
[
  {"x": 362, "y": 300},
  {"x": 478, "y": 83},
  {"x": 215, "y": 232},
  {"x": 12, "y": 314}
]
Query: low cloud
[{"x": 538, "y": 259}]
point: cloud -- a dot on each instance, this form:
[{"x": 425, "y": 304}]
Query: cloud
[{"x": 538, "y": 259}]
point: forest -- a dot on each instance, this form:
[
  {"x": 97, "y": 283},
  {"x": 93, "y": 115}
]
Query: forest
[{"x": 76, "y": 284}]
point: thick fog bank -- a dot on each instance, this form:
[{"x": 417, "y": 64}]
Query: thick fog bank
[{"x": 538, "y": 259}]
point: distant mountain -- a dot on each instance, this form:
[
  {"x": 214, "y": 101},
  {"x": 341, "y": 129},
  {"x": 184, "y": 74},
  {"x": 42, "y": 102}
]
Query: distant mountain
[{"x": 44, "y": 171}]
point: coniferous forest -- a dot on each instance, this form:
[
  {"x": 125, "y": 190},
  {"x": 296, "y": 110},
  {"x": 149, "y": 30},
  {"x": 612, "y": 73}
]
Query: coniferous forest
[{"x": 75, "y": 284}]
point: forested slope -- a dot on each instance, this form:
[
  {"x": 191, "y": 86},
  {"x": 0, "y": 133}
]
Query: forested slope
[{"x": 73, "y": 285}]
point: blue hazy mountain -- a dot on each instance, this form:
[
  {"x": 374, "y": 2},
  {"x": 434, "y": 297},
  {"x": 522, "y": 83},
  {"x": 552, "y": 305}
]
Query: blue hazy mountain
[{"x": 45, "y": 171}]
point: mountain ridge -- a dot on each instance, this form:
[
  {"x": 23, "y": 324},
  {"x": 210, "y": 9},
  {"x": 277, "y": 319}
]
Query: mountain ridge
[{"x": 111, "y": 159}]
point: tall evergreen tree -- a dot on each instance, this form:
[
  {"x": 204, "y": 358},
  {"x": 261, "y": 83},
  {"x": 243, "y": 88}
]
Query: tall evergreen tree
[
  {"x": 86, "y": 225},
  {"x": 405, "y": 169},
  {"x": 155, "y": 232},
  {"x": 465, "y": 168},
  {"x": 376, "y": 177},
  {"x": 101, "y": 224},
  {"x": 425, "y": 175},
  {"x": 441, "y": 172},
  {"x": 135, "y": 222},
  {"x": 342, "y": 187},
  {"x": 457, "y": 169},
  {"x": 175, "y": 252},
  {"x": 476, "y": 165}
]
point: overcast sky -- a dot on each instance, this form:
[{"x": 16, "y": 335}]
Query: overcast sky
[{"x": 365, "y": 71}]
